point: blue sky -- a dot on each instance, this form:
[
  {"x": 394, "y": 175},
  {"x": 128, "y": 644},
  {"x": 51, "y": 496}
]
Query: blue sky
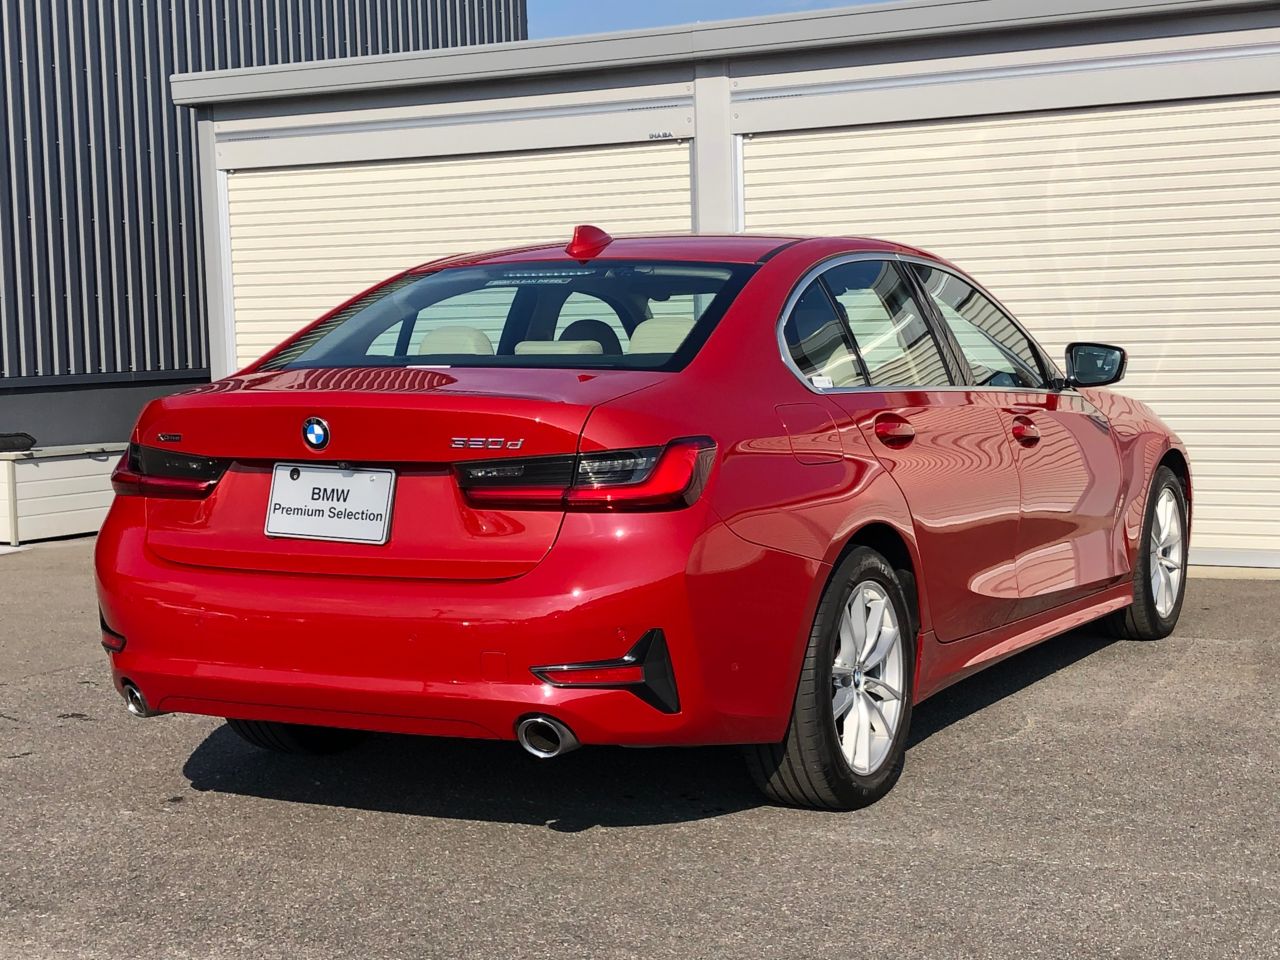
[{"x": 560, "y": 18}]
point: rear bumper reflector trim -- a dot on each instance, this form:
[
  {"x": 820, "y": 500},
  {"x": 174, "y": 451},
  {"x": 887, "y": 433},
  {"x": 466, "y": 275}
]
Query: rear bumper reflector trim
[
  {"x": 112, "y": 642},
  {"x": 645, "y": 670}
]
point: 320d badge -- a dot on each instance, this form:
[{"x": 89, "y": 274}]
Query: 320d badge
[{"x": 676, "y": 490}]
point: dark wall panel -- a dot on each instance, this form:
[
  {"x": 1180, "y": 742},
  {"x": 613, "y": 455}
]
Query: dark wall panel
[
  {"x": 101, "y": 267},
  {"x": 79, "y": 413}
]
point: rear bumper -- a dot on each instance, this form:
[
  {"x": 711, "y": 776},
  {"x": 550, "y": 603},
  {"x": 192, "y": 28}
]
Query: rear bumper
[{"x": 454, "y": 658}]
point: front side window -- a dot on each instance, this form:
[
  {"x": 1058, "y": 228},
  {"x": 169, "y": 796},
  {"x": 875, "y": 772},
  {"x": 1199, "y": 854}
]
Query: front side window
[
  {"x": 610, "y": 314},
  {"x": 888, "y": 326},
  {"x": 998, "y": 353}
]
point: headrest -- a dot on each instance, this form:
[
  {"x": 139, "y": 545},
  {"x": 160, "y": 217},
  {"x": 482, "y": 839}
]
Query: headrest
[
  {"x": 597, "y": 330},
  {"x": 659, "y": 335},
  {"x": 573, "y": 347},
  {"x": 456, "y": 338}
]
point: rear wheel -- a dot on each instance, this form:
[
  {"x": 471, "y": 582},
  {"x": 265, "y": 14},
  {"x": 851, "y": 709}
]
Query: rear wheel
[
  {"x": 295, "y": 738},
  {"x": 847, "y": 739},
  {"x": 1160, "y": 573}
]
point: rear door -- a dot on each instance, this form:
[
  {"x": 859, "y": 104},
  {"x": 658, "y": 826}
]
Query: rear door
[
  {"x": 1068, "y": 462},
  {"x": 943, "y": 446}
]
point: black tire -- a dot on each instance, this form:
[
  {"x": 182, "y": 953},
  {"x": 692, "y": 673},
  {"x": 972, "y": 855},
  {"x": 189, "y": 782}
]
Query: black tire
[
  {"x": 1141, "y": 620},
  {"x": 295, "y": 738},
  {"x": 808, "y": 768}
]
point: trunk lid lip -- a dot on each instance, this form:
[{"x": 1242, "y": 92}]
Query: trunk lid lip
[
  {"x": 236, "y": 423},
  {"x": 558, "y": 384},
  {"x": 218, "y": 422}
]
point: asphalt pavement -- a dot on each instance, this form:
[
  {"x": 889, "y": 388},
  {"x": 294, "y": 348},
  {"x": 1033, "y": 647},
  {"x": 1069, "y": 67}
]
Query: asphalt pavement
[{"x": 1089, "y": 798}]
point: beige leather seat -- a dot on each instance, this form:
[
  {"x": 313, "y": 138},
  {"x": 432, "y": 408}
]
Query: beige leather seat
[
  {"x": 561, "y": 347},
  {"x": 659, "y": 335},
  {"x": 597, "y": 330},
  {"x": 456, "y": 338}
]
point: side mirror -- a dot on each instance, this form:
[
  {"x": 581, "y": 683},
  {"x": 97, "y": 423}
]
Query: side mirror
[{"x": 1094, "y": 364}]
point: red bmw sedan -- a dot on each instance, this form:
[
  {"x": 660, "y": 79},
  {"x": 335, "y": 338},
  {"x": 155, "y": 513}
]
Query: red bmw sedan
[{"x": 652, "y": 491}]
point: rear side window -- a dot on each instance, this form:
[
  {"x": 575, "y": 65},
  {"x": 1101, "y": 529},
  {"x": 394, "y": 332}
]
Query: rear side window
[
  {"x": 683, "y": 306},
  {"x": 888, "y": 326},
  {"x": 486, "y": 309},
  {"x": 819, "y": 342},
  {"x": 609, "y": 314},
  {"x": 998, "y": 353}
]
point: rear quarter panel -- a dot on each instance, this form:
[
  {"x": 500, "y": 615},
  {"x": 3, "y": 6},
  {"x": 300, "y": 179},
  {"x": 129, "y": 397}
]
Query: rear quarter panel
[
  {"x": 807, "y": 502},
  {"x": 787, "y": 513}
]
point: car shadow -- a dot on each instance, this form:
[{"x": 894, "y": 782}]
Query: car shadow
[
  {"x": 593, "y": 787},
  {"x": 487, "y": 781},
  {"x": 1006, "y": 678}
]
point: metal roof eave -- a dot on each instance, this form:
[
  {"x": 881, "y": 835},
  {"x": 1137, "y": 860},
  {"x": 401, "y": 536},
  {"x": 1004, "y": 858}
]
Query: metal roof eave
[{"x": 902, "y": 20}]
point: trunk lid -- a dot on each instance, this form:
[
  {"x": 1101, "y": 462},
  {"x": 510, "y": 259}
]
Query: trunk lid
[{"x": 417, "y": 422}]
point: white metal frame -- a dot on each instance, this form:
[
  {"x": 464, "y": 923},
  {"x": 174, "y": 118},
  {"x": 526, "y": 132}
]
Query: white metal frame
[
  {"x": 494, "y": 131},
  {"x": 11, "y": 500},
  {"x": 225, "y": 348}
]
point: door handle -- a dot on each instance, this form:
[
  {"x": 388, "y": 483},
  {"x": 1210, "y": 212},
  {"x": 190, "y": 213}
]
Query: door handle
[
  {"x": 1025, "y": 431},
  {"x": 893, "y": 430}
]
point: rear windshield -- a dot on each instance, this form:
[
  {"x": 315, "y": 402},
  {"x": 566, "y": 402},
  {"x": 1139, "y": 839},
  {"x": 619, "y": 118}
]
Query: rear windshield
[{"x": 612, "y": 315}]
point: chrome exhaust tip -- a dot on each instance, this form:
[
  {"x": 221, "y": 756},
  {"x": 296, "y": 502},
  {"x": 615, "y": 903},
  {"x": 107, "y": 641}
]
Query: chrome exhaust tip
[
  {"x": 545, "y": 737},
  {"x": 134, "y": 701}
]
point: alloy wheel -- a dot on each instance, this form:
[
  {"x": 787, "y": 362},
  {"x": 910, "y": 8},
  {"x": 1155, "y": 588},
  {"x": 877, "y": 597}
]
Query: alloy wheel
[
  {"x": 867, "y": 677},
  {"x": 1167, "y": 556}
]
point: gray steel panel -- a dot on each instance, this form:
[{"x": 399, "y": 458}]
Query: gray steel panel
[
  {"x": 102, "y": 274},
  {"x": 95, "y": 412},
  {"x": 10, "y": 350}
]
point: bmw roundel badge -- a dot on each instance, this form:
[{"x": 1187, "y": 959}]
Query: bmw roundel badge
[{"x": 315, "y": 433}]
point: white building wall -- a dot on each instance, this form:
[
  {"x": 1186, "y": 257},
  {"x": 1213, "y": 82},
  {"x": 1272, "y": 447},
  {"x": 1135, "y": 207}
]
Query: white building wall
[
  {"x": 304, "y": 239},
  {"x": 1150, "y": 226}
]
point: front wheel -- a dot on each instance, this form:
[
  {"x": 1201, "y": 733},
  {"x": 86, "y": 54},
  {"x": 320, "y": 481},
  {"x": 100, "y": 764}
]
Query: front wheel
[
  {"x": 847, "y": 739},
  {"x": 1160, "y": 573}
]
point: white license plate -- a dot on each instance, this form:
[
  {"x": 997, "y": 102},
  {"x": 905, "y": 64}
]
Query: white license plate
[{"x": 330, "y": 503}]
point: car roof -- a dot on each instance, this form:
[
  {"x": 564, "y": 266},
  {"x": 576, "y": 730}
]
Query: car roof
[{"x": 711, "y": 248}]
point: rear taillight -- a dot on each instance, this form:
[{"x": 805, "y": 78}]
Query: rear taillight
[
  {"x": 150, "y": 472},
  {"x": 646, "y": 478}
]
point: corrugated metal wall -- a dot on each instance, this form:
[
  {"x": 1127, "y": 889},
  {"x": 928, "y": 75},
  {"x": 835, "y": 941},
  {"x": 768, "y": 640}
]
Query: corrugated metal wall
[{"x": 101, "y": 274}]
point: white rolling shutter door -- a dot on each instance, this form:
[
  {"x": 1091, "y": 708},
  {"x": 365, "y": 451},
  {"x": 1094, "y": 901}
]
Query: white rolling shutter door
[
  {"x": 303, "y": 239},
  {"x": 1156, "y": 227}
]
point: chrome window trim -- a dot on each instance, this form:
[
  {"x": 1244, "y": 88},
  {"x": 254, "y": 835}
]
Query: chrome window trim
[
  {"x": 803, "y": 284},
  {"x": 839, "y": 259}
]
